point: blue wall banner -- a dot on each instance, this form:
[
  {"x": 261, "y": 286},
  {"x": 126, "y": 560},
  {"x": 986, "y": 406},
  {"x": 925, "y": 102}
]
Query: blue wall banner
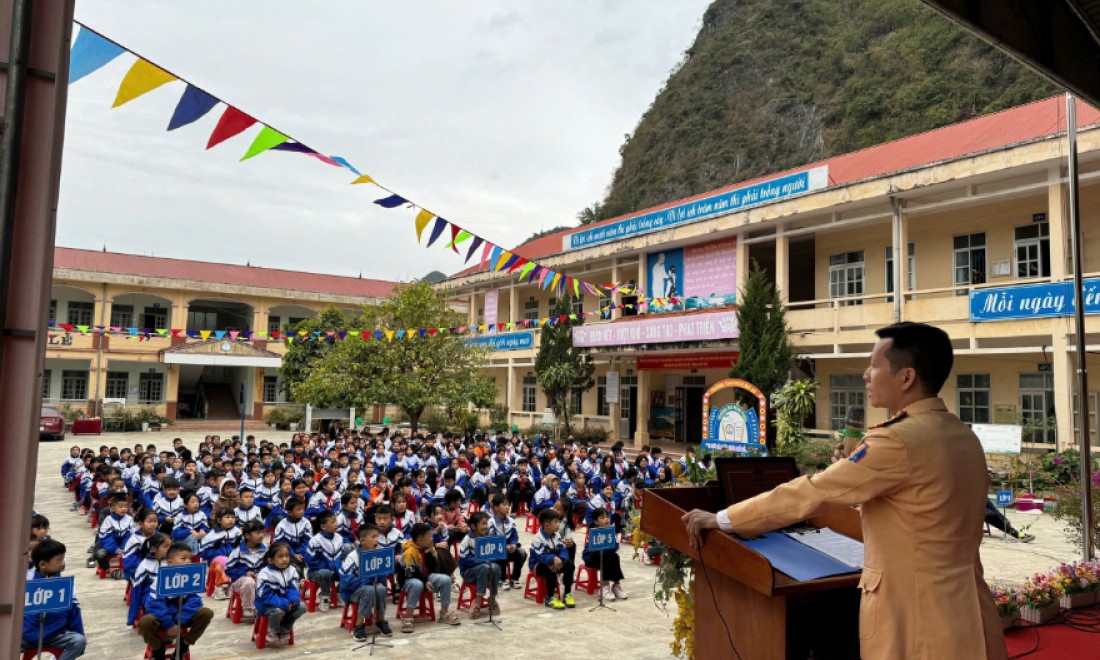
[
  {"x": 721, "y": 203},
  {"x": 514, "y": 341},
  {"x": 1031, "y": 301},
  {"x": 735, "y": 429}
]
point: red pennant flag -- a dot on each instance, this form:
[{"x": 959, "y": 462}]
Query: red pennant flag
[
  {"x": 562, "y": 318},
  {"x": 274, "y": 334},
  {"x": 432, "y": 331},
  {"x": 518, "y": 264},
  {"x": 455, "y": 229},
  {"x": 500, "y": 327},
  {"x": 232, "y": 122},
  {"x": 176, "y": 332}
]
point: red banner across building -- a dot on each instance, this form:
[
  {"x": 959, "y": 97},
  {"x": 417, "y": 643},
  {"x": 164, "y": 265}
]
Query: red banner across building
[{"x": 688, "y": 361}]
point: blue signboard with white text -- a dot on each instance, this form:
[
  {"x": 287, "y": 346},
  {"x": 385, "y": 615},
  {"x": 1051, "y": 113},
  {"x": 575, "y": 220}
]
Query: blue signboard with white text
[
  {"x": 181, "y": 580},
  {"x": 49, "y": 595},
  {"x": 1004, "y": 498},
  {"x": 514, "y": 341},
  {"x": 1031, "y": 301},
  {"x": 724, "y": 202},
  {"x": 376, "y": 563},
  {"x": 491, "y": 548},
  {"x": 601, "y": 538}
]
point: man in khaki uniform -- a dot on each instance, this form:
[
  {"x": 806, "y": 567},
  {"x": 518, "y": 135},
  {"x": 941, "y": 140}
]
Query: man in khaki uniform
[{"x": 921, "y": 480}]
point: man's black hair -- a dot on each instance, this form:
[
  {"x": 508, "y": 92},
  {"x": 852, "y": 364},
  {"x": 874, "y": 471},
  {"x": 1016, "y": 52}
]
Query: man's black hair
[
  {"x": 924, "y": 348},
  {"x": 46, "y": 550}
]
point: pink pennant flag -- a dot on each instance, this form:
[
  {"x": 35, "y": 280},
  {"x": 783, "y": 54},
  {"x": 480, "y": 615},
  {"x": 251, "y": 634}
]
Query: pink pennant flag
[{"x": 485, "y": 253}]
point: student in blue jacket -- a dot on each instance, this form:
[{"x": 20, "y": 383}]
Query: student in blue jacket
[
  {"x": 369, "y": 593},
  {"x": 606, "y": 561},
  {"x": 161, "y": 613},
  {"x": 112, "y": 534},
  {"x": 62, "y": 630},
  {"x": 277, "y": 594},
  {"x": 483, "y": 574}
]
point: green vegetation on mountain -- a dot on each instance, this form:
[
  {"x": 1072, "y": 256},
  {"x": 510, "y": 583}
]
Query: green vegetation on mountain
[{"x": 774, "y": 84}]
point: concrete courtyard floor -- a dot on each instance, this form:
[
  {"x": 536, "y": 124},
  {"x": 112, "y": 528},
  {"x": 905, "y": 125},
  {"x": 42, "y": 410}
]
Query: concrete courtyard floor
[{"x": 638, "y": 629}]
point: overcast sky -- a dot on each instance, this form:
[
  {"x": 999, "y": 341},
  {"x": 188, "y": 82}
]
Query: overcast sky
[{"x": 503, "y": 115}]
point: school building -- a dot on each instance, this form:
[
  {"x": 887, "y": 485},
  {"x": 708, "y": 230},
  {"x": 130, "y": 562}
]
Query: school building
[
  {"x": 965, "y": 227},
  {"x": 176, "y": 332}
]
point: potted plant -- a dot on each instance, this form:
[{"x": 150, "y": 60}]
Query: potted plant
[
  {"x": 1040, "y": 604},
  {"x": 1008, "y": 600},
  {"x": 1079, "y": 582}
]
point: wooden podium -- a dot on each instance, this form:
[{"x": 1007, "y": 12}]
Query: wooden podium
[{"x": 769, "y": 615}]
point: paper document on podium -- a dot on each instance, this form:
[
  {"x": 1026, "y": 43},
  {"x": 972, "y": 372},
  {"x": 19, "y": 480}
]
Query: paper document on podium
[
  {"x": 837, "y": 546},
  {"x": 797, "y": 560}
]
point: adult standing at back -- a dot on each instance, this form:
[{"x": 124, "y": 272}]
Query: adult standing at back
[{"x": 921, "y": 481}]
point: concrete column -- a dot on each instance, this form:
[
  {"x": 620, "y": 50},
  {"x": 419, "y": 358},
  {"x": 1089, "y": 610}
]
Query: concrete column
[
  {"x": 472, "y": 312},
  {"x": 510, "y": 394},
  {"x": 641, "y": 434},
  {"x": 743, "y": 265},
  {"x": 1064, "y": 371},
  {"x": 513, "y": 304},
  {"x": 259, "y": 317},
  {"x": 178, "y": 317},
  {"x": 643, "y": 283},
  {"x": 900, "y": 248},
  {"x": 782, "y": 265},
  {"x": 615, "y": 412},
  {"x": 1060, "y": 247},
  {"x": 617, "y": 297}
]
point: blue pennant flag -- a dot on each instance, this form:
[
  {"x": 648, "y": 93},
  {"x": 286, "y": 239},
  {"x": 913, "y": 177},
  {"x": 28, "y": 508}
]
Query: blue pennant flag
[
  {"x": 440, "y": 225},
  {"x": 391, "y": 202},
  {"x": 193, "y": 105},
  {"x": 344, "y": 161},
  {"x": 473, "y": 247},
  {"x": 90, "y": 53}
]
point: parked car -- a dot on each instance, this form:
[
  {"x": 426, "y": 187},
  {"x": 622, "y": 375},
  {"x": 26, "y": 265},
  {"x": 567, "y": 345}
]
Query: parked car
[{"x": 52, "y": 424}]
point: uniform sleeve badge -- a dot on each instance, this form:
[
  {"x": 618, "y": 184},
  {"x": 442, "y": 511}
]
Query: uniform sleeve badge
[{"x": 860, "y": 453}]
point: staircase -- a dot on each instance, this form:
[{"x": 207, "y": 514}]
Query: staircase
[{"x": 221, "y": 403}]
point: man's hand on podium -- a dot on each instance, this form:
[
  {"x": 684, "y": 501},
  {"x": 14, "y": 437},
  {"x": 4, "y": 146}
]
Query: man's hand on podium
[{"x": 696, "y": 522}]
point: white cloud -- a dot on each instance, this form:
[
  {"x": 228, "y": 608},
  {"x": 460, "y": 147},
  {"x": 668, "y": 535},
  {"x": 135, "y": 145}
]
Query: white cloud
[{"x": 504, "y": 116}]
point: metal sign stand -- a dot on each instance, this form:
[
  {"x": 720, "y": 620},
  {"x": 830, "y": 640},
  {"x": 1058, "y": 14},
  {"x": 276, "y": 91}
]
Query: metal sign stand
[
  {"x": 490, "y": 622},
  {"x": 41, "y": 629},
  {"x": 601, "y": 605},
  {"x": 373, "y": 644},
  {"x": 178, "y": 655}
]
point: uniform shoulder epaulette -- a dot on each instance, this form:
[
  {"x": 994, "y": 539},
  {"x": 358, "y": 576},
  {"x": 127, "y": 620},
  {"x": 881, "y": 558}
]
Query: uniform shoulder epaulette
[{"x": 898, "y": 416}]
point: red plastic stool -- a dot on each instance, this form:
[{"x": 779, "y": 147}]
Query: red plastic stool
[
  {"x": 350, "y": 618},
  {"x": 95, "y": 518},
  {"x": 235, "y": 609},
  {"x": 532, "y": 525},
  {"x": 538, "y": 592},
  {"x": 259, "y": 632},
  {"x": 466, "y": 597},
  {"x": 521, "y": 510},
  {"x": 309, "y": 595},
  {"x": 104, "y": 574},
  {"x": 46, "y": 650},
  {"x": 472, "y": 507},
  {"x": 587, "y": 579},
  {"x": 210, "y": 581},
  {"x": 425, "y": 609},
  {"x": 126, "y": 596},
  {"x": 168, "y": 647}
]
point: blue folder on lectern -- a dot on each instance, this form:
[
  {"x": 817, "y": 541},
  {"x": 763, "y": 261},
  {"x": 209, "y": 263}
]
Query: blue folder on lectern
[{"x": 797, "y": 560}]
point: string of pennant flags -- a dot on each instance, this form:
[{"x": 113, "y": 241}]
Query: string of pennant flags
[
  {"x": 92, "y": 50},
  {"x": 289, "y": 337}
]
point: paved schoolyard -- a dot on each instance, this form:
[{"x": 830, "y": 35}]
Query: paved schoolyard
[
  {"x": 637, "y": 630},
  {"x": 530, "y": 631}
]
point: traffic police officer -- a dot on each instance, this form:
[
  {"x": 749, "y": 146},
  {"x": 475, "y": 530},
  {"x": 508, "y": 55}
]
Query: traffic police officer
[{"x": 921, "y": 481}]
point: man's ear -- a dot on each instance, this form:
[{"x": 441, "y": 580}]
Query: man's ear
[{"x": 909, "y": 379}]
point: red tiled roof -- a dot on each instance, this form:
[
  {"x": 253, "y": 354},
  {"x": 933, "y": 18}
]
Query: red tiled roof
[
  {"x": 203, "y": 271},
  {"x": 1024, "y": 123}
]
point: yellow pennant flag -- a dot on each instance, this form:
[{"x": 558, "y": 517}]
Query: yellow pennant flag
[
  {"x": 141, "y": 78},
  {"x": 504, "y": 257},
  {"x": 205, "y": 334},
  {"x": 422, "y": 220},
  {"x": 389, "y": 335},
  {"x": 364, "y": 178},
  {"x": 554, "y": 282}
]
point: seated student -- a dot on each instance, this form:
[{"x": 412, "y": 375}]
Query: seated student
[
  {"x": 521, "y": 485},
  {"x": 550, "y": 559},
  {"x": 295, "y": 531},
  {"x": 153, "y": 553},
  {"x": 244, "y": 563},
  {"x": 247, "y": 510},
  {"x": 484, "y": 575},
  {"x": 420, "y": 566},
  {"x": 228, "y": 497},
  {"x": 547, "y": 495},
  {"x": 323, "y": 555},
  {"x": 266, "y": 492},
  {"x": 112, "y": 534},
  {"x": 216, "y": 546},
  {"x": 277, "y": 594},
  {"x": 60, "y": 629},
  {"x": 606, "y": 501},
  {"x": 326, "y": 499},
  {"x": 403, "y": 518},
  {"x": 70, "y": 464},
  {"x": 190, "y": 479},
  {"x": 208, "y": 494},
  {"x": 388, "y": 535},
  {"x": 40, "y": 526},
  {"x": 145, "y": 525},
  {"x": 191, "y": 525},
  {"x": 480, "y": 482},
  {"x": 452, "y": 515},
  {"x": 501, "y": 524},
  {"x": 625, "y": 488},
  {"x": 449, "y": 477},
  {"x": 441, "y": 536},
  {"x": 349, "y": 520},
  {"x": 161, "y": 613},
  {"x": 168, "y": 504},
  {"x": 606, "y": 561},
  {"x": 370, "y": 593}
]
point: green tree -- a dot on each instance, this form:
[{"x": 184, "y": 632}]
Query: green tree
[
  {"x": 413, "y": 372},
  {"x": 766, "y": 356},
  {"x": 301, "y": 355},
  {"x": 560, "y": 367}
]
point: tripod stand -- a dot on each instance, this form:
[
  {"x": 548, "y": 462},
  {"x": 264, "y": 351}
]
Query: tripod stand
[
  {"x": 373, "y": 644},
  {"x": 601, "y": 604}
]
